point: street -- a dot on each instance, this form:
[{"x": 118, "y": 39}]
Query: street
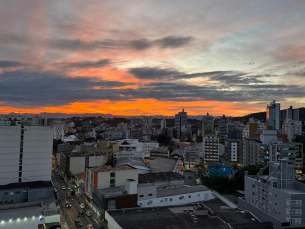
[{"x": 70, "y": 214}]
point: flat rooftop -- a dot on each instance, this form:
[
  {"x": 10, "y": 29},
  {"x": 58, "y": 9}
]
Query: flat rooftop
[
  {"x": 109, "y": 168},
  {"x": 163, "y": 218},
  {"x": 30, "y": 185},
  {"x": 151, "y": 177},
  {"x": 183, "y": 190}
]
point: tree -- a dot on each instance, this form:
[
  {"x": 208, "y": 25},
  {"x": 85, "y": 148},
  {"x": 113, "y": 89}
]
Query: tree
[
  {"x": 68, "y": 175},
  {"x": 199, "y": 139},
  {"x": 112, "y": 161}
]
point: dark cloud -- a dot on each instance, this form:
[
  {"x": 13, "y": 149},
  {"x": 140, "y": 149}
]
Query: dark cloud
[
  {"x": 9, "y": 64},
  {"x": 89, "y": 64},
  {"x": 140, "y": 44},
  {"x": 80, "y": 45},
  {"x": 154, "y": 73},
  {"x": 173, "y": 41}
]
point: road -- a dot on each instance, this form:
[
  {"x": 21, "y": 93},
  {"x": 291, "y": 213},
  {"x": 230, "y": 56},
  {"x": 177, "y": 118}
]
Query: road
[{"x": 71, "y": 214}]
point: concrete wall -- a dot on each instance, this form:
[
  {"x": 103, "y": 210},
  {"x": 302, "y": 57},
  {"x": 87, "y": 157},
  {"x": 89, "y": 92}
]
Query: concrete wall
[
  {"x": 177, "y": 199},
  {"x": 39, "y": 193},
  {"x": 145, "y": 192},
  {"x": 15, "y": 195},
  {"x": 112, "y": 224},
  {"x": 9, "y": 154},
  {"x": 95, "y": 161},
  {"x": 122, "y": 176},
  {"x": 77, "y": 165}
]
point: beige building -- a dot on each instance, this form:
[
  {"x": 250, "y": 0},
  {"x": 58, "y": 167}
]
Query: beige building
[{"x": 104, "y": 147}]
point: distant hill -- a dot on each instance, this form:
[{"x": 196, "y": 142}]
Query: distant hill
[{"x": 259, "y": 116}]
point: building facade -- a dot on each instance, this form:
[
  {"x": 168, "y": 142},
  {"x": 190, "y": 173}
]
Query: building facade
[
  {"x": 273, "y": 115},
  {"x": 211, "y": 148}
]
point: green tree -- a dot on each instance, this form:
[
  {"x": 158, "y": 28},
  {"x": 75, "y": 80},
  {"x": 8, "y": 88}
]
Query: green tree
[
  {"x": 68, "y": 175},
  {"x": 112, "y": 161}
]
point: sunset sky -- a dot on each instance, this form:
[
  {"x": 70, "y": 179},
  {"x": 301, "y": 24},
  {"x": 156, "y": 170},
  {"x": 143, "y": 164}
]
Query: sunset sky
[{"x": 141, "y": 57}]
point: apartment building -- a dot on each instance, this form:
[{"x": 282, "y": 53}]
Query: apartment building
[
  {"x": 211, "y": 148},
  {"x": 193, "y": 155},
  {"x": 292, "y": 128},
  {"x": 273, "y": 116},
  {"x": 25, "y": 151},
  {"x": 275, "y": 197}
]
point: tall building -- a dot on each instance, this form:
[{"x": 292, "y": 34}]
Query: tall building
[
  {"x": 293, "y": 114},
  {"x": 234, "y": 150},
  {"x": 207, "y": 125},
  {"x": 59, "y": 129},
  {"x": 163, "y": 124},
  {"x": 273, "y": 116},
  {"x": 211, "y": 148},
  {"x": 223, "y": 128},
  {"x": 26, "y": 190},
  {"x": 275, "y": 197},
  {"x": 292, "y": 128},
  {"x": 25, "y": 151},
  {"x": 180, "y": 123}
]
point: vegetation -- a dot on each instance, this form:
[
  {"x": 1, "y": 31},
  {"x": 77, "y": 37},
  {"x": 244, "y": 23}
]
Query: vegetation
[
  {"x": 226, "y": 185},
  {"x": 112, "y": 161}
]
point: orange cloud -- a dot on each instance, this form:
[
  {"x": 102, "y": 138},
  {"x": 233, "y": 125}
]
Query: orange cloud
[{"x": 145, "y": 107}]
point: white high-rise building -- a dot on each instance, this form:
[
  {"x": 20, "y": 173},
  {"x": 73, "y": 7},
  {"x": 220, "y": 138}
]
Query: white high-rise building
[
  {"x": 25, "y": 151},
  {"x": 292, "y": 128},
  {"x": 59, "y": 129},
  {"x": 163, "y": 123}
]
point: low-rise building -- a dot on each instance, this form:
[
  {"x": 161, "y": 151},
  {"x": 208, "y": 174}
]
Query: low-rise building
[
  {"x": 163, "y": 180},
  {"x": 193, "y": 155},
  {"x": 108, "y": 176},
  {"x": 159, "y": 152},
  {"x": 176, "y": 196},
  {"x": 164, "y": 165}
]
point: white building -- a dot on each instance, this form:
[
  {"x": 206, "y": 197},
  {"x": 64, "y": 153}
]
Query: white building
[
  {"x": 163, "y": 124},
  {"x": 108, "y": 176},
  {"x": 193, "y": 155},
  {"x": 25, "y": 151},
  {"x": 129, "y": 154},
  {"x": 291, "y": 128},
  {"x": 59, "y": 129},
  {"x": 257, "y": 124},
  {"x": 211, "y": 148},
  {"x": 149, "y": 196}
]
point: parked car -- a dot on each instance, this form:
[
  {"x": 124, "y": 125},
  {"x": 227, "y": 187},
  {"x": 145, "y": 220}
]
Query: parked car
[
  {"x": 82, "y": 205},
  {"x": 68, "y": 204},
  {"x": 63, "y": 187},
  {"x": 89, "y": 226},
  {"x": 88, "y": 213},
  {"x": 81, "y": 213},
  {"x": 68, "y": 195}
]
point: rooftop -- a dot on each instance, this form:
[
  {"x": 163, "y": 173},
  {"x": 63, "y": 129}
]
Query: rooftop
[
  {"x": 145, "y": 185},
  {"x": 161, "y": 164},
  {"x": 152, "y": 177},
  {"x": 30, "y": 185},
  {"x": 163, "y": 218},
  {"x": 183, "y": 190},
  {"x": 108, "y": 168}
]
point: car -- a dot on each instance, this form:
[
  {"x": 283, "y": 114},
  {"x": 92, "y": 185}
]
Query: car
[
  {"x": 68, "y": 204},
  {"x": 88, "y": 213},
  {"x": 78, "y": 223},
  {"x": 82, "y": 205},
  {"x": 63, "y": 187},
  {"x": 68, "y": 195},
  {"x": 89, "y": 226},
  {"x": 190, "y": 177},
  {"x": 55, "y": 189},
  {"x": 81, "y": 213}
]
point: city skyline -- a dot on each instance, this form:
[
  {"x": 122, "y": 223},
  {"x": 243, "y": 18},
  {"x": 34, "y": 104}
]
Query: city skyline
[{"x": 152, "y": 57}]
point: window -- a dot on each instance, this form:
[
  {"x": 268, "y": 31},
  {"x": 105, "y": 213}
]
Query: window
[
  {"x": 6, "y": 193},
  {"x": 141, "y": 195},
  {"x": 11, "y": 193},
  {"x": 112, "y": 174},
  {"x": 181, "y": 197},
  {"x": 112, "y": 181},
  {"x": 170, "y": 199},
  {"x": 17, "y": 192},
  {"x": 161, "y": 201},
  {"x": 190, "y": 196},
  {"x": 295, "y": 221},
  {"x": 25, "y": 192},
  {"x": 149, "y": 194},
  {"x": 198, "y": 195}
]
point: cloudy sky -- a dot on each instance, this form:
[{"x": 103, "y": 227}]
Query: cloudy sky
[{"x": 151, "y": 57}]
